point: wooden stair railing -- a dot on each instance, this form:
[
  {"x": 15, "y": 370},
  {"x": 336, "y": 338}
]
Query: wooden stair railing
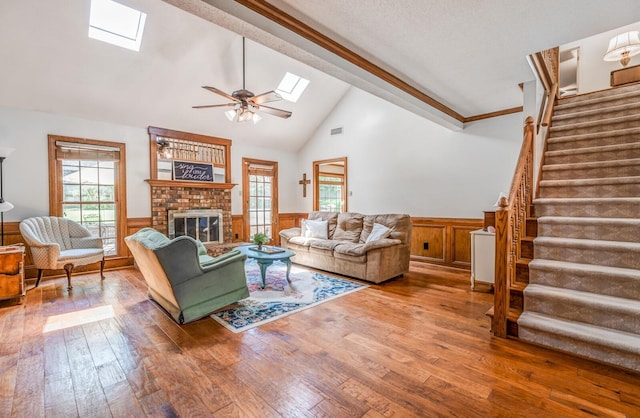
[{"x": 511, "y": 219}]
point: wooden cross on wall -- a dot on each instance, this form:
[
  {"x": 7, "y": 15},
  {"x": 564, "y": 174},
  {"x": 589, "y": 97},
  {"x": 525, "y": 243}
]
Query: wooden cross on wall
[{"x": 304, "y": 183}]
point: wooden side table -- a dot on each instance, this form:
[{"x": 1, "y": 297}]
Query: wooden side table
[{"x": 12, "y": 273}]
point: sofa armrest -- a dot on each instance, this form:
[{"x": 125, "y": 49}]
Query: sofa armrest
[
  {"x": 223, "y": 260},
  {"x": 381, "y": 243},
  {"x": 290, "y": 233}
]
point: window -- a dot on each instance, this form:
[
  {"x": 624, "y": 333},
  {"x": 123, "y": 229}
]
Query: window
[
  {"x": 116, "y": 24},
  {"x": 88, "y": 181},
  {"x": 291, "y": 87},
  {"x": 330, "y": 185},
  {"x": 331, "y": 193}
]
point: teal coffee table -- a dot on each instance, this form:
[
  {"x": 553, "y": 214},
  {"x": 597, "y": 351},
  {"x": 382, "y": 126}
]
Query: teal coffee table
[{"x": 266, "y": 257}]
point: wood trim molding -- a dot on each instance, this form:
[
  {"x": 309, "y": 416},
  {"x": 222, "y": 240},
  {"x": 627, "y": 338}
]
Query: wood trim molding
[
  {"x": 284, "y": 19},
  {"x": 494, "y": 114}
]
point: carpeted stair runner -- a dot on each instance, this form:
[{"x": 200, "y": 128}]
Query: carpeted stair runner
[{"x": 584, "y": 291}]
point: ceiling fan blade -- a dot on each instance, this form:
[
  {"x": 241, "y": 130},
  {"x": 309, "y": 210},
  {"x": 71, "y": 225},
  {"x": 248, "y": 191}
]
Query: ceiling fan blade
[
  {"x": 270, "y": 96},
  {"x": 220, "y": 92},
  {"x": 273, "y": 111},
  {"x": 217, "y": 105}
]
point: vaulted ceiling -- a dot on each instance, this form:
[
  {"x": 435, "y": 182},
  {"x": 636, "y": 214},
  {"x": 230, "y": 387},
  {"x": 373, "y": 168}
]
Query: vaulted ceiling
[{"x": 469, "y": 56}]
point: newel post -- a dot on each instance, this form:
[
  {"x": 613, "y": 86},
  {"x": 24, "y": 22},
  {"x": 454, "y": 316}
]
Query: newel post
[{"x": 501, "y": 285}]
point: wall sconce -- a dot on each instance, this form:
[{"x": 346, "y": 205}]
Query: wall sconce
[{"x": 623, "y": 47}]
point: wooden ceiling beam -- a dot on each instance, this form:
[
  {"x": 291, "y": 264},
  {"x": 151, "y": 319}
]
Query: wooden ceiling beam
[{"x": 296, "y": 26}]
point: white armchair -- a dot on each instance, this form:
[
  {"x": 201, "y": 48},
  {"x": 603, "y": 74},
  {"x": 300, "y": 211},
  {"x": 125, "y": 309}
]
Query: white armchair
[{"x": 59, "y": 243}]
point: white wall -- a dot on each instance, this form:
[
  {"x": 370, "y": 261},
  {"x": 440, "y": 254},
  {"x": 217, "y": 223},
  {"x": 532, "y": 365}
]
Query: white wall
[
  {"x": 400, "y": 162},
  {"x": 26, "y": 182},
  {"x": 593, "y": 72}
]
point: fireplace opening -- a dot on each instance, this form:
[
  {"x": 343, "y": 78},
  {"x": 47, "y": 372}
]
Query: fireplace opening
[{"x": 203, "y": 225}]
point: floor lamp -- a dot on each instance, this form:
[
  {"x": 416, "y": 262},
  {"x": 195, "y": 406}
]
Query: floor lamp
[{"x": 4, "y": 205}]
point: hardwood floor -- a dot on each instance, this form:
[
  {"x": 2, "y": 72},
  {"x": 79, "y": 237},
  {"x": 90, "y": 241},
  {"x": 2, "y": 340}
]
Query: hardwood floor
[{"x": 414, "y": 346}]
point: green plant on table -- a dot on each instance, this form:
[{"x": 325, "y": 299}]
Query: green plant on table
[{"x": 260, "y": 239}]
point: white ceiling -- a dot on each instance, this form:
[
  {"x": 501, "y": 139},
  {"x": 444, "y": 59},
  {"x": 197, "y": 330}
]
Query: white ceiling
[
  {"x": 49, "y": 64},
  {"x": 470, "y": 55}
]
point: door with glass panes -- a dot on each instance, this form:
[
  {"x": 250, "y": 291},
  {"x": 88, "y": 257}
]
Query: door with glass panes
[{"x": 260, "y": 197}]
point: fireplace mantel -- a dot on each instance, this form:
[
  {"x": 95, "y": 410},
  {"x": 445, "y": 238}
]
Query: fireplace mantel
[{"x": 197, "y": 184}]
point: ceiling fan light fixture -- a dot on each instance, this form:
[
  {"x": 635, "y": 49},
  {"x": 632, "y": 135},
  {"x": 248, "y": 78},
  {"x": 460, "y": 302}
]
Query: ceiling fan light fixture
[{"x": 231, "y": 114}]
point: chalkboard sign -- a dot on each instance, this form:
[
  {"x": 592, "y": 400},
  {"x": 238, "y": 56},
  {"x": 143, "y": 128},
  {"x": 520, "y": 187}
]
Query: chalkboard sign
[{"x": 184, "y": 170}]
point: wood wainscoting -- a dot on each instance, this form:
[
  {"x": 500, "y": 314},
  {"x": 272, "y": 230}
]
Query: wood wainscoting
[
  {"x": 443, "y": 241},
  {"x": 448, "y": 239}
]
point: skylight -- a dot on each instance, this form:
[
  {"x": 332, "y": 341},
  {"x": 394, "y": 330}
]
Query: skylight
[
  {"x": 291, "y": 87},
  {"x": 116, "y": 24}
]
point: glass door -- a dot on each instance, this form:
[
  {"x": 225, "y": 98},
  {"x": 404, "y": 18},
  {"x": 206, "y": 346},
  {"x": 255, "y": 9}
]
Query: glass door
[{"x": 260, "y": 197}]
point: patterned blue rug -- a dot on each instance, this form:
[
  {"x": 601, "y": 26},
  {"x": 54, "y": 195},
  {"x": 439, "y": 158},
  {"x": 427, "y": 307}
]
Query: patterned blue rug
[{"x": 279, "y": 298}]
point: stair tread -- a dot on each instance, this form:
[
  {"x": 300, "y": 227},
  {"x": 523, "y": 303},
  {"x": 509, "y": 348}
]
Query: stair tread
[
  {"x": 590, "y": 268},
  {"x": 588, "y": 220},
  {"x": 590, "y": 181},
  {"x": 591, "y": 164},
  {"x": 614, "y": 303},
  {"x": 597, "y": 149},
  {"x": 581, "y": 100},
  {"x": 598, "y": 111},
  {"x": 592, "y": 135},
  {"x": 581, "y": 331},
  {"x": 588, "y": 243},
  {"x": 592, "y": 123},
  {"x": 584, "y": 200}
]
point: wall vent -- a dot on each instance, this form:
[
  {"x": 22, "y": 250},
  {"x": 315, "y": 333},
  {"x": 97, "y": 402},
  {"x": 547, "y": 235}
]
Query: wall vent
[{"x": 336, "y": 131}]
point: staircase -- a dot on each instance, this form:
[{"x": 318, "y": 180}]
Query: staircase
[{"x": 583, "y": 295}]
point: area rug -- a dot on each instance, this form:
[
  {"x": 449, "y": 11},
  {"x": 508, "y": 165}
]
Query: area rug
[{"x": 279, "y": 298}]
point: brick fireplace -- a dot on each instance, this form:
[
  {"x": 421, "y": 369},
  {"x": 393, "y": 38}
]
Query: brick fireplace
[{"x": 169, "y": 195}]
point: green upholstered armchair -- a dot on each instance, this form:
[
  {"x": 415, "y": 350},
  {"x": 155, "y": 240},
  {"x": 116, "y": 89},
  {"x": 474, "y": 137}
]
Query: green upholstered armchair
[{"x": 183, "y": 279}]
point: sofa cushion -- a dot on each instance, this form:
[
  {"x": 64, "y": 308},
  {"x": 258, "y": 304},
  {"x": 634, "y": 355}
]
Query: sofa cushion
[
  {"x": 351, "y": 251},
  {"x": 400, "y": 226},
  {"x": 301, "y": 244},
  {"x": 314, "y": 229},
  {"x": 323, "y": 246},
  {"x": 330, "y": 217},
  {"x": 349, "y": 227}
]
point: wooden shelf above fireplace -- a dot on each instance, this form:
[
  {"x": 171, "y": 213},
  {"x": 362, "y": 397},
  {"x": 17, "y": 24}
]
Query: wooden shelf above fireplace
[{"x": 197, "y": 184}]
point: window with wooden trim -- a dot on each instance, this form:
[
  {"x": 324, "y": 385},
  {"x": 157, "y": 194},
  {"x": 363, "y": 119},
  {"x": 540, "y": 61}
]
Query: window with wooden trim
[
  {"x": 87, "y": 185},
  {"x": 330, "y": 185}
]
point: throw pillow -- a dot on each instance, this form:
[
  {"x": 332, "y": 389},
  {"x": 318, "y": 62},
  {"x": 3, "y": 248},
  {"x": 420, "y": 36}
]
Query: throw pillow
[
  {"x": 349, "y": 227},
  {"x": 378, "y": 232},
  {"x": 314, "y": 229}
]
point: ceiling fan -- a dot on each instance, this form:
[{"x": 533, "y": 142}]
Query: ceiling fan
[{"x": 245, "y": 104}]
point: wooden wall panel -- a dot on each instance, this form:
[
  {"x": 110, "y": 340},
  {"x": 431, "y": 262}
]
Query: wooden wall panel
[
  {"x": 449, "y": 240},
  {"x": 461, "y": 245},
  {"x": 237, "y": 228},
  {"x": 432, "y": 236}
]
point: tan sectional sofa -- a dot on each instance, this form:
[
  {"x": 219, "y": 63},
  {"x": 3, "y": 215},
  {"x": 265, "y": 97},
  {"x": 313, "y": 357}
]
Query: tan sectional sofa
[{"x": 346, "y": 250}]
